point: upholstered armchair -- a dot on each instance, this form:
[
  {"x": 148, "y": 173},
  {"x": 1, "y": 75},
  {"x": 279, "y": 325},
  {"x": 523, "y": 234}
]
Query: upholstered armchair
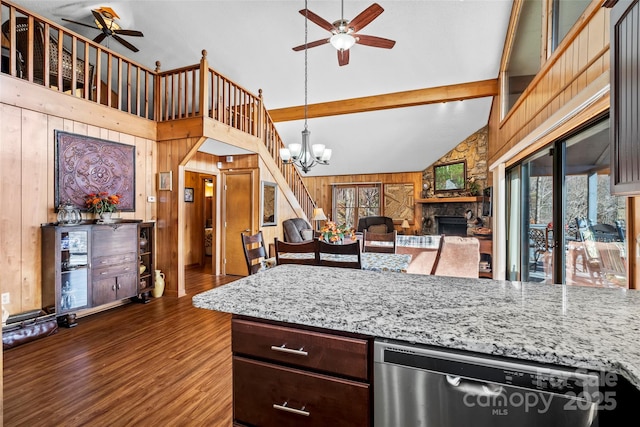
[
  {"x": 366, "y": 222},
  {"x": 297, "y": 230}
]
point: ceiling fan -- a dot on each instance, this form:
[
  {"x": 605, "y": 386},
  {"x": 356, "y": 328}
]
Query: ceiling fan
[
  {"x": 105, "y": 21},
  {"x": 344, "y": 32}
]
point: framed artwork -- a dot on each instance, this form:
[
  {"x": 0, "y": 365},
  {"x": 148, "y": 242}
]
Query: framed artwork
[
  {"x": 188, "y": 194},
  {"x": 269, "y": 203},
  {"x": 450, "y": 177},
  {"x": 85, "y": 165},
  {"x": 165, "y": 181},
  {"x": 398, "y": 202}
]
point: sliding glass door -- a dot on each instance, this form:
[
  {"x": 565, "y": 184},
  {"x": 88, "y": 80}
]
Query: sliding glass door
[{"x": 571, "y": 228}]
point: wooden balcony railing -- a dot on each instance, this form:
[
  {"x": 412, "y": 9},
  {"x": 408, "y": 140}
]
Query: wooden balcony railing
[{"x": 41, "y": 52}]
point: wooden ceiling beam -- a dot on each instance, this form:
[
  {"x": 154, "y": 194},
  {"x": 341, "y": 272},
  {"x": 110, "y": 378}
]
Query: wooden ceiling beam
[{"x": 410, "y": 98}]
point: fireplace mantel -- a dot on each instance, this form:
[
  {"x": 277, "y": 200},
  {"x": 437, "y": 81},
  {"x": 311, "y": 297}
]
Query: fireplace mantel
[{"x": 470, "y": 199}]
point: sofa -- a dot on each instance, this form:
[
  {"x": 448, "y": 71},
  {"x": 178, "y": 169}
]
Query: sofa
[{"x": 297, "y": 230}]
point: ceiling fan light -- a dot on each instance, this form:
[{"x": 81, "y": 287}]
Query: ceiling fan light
[{"x": 342, "y": 41}]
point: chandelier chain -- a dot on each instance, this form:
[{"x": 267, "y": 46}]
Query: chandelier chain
[{"x": 306, "y": 20}]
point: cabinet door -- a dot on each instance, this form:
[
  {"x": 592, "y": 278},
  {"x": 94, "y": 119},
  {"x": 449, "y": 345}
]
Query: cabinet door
[
  {"x": 625, "y": 98},
  {"x": 265, "y": 395},
  {"x": 104, "y": 290},
  {"x": 109, "y": 240},
  {"x": 126, "y": 285}
]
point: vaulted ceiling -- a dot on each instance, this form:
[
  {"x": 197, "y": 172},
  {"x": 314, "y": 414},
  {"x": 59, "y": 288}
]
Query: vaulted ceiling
[{"x": 438, "y": 43}]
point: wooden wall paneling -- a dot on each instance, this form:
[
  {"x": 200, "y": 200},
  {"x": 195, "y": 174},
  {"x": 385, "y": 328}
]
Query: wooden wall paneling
[
  {"x": 53, "y": 124},
  {"x": 11, "y": 213},
  {"x": 124, "y": 138},
  {"x": 321, "y": 188},
  {"x": 33, "y": 197}
]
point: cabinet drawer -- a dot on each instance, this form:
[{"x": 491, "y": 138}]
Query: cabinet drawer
[
  {"x": 108, "y": 240},
  {"x": 270, "y": 395},
  {"x": 307, "y": 349},
  {"x": 106, "y": 261},
  {"x": 113, "y": 270}
]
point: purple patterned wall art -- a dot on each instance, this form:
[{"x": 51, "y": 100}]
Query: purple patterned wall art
[{"x": 90, "y": 165}]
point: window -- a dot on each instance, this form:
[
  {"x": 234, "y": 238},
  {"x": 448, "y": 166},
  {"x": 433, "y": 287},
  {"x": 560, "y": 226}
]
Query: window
[
  {"x": 565, "y": 15},
  {"x": 525, "y": 54},
  {"x": 354, "y": 201}
]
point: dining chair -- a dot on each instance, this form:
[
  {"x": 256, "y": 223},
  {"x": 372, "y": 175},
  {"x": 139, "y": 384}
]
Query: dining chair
[
  {"x": 254, "y": 251},
  {"x": 301, "y": 253},
  {"x": 457, "y": 256},
  {"x": 379, "y": 242},
  {"x": 346, "y": 255}
]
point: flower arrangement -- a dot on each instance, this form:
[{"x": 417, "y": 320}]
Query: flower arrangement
[
  {"x": 102, "y": 202},
  {"x": 474, "y": 186},
  {"x": 332, "y": 233}
]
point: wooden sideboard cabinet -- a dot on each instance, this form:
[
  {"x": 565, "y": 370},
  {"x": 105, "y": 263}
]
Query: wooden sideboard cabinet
[
  {"x": 289, "y": 376},
  {"x": 88, "y": 265}
]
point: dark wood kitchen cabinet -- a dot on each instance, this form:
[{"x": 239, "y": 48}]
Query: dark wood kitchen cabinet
[
  {"x": 625, "y": 97},
  {"x": 284, "y": 375}
]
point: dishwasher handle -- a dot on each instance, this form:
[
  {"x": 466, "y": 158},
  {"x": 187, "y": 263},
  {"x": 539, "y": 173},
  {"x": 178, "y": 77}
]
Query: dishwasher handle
[{"x": 474, "y": 388}]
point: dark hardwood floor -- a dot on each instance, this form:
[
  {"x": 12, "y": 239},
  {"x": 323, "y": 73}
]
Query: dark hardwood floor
[{"x": 156, "y": 364}]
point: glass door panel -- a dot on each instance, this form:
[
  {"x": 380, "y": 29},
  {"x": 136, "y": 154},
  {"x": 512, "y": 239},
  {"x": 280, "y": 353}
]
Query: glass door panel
[
  {"x": 595, "y": 240},
  {"x": 74, "y": 257},
  {"x": 538, "y": 218}
]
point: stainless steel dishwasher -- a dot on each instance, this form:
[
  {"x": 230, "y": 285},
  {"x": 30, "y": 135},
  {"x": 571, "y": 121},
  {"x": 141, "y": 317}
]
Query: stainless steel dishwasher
[{"x": 421, "y": 386}]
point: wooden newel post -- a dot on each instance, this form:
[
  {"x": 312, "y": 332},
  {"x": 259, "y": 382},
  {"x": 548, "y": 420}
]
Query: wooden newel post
[
  {"x": 156, "y": 95},
  {"x": 204, "y": 85},
  {"x": 259, "y": 119}
]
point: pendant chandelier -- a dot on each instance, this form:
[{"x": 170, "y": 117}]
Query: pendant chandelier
[{"x": 305, "y": 155}]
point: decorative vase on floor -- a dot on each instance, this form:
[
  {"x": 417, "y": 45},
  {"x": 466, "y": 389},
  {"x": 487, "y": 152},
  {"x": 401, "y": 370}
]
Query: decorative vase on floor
[{"x": 158, "y": 288}]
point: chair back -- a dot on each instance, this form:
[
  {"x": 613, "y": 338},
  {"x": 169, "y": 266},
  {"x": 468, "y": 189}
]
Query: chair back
[
  {"x": 457, "y": 256},
  {"x": 254, "y": 251},
  {"x": 365, "y": 222},
  {"x": 296, "y": 253},
  {"x": 379, "y": 242},
  {"x": 346, "y": 255}
]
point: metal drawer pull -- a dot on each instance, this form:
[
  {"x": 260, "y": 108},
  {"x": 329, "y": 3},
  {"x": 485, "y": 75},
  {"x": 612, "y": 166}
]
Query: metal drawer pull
[
  {"x": 284, "y": 349},
  {"x": 285, "y": 408}
]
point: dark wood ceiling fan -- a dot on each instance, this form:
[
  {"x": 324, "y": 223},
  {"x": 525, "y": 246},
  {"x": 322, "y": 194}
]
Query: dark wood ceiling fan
[
  {"x": 105, "y": 22},
  {"x": 344, "y": 33}
]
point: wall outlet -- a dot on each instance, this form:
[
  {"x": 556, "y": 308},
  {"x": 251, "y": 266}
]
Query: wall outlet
[{"x": 6, "y": 298}]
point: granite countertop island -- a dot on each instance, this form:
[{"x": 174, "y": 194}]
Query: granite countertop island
[{"x": 580, "y": 327}]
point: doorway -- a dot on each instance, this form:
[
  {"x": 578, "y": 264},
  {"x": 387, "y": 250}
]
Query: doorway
[{"x": 200, "y": 219}]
